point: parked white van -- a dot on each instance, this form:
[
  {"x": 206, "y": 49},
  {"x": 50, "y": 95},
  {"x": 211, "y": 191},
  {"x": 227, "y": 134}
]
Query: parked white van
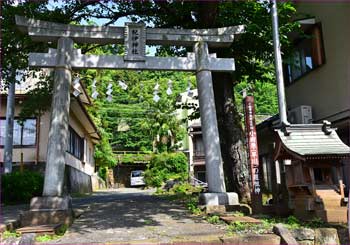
[{"x": 136, "y": 178}]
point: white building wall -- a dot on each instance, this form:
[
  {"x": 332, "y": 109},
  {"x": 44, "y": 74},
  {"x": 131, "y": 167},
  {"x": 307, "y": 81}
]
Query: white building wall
[{"x": 327, "y": 88}]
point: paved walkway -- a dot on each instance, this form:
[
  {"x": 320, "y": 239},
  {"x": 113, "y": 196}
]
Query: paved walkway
[
  {"x": 127, "y": 215},
  {"x": 10, "y": 213}
]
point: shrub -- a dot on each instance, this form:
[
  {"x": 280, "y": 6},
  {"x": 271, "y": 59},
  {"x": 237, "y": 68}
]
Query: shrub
[
  {"x": 165, "y": 166},
  {"x": 20, "y": 187},
  {"x": 213, "y": 219},
  {"x": 102, "y": 172}
]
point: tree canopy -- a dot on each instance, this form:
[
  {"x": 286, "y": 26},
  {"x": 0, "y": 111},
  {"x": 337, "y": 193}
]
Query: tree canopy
[{"x": 132, "y": 120}]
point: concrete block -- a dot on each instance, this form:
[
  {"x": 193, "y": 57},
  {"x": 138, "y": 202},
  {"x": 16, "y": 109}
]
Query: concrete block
[
  {"x": 223, "y": 198},
  {"x": 326, "y": 236},
  {"x": 50, "y": 203},
  {"x": 286, "y": 236}
]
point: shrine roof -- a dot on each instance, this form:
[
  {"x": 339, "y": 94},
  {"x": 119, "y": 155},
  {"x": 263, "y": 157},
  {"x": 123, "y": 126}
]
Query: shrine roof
[{"x": 308, "y": 141}]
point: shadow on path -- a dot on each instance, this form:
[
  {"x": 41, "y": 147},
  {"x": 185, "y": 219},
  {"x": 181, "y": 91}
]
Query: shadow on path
[{"x": 121, "y": 217}]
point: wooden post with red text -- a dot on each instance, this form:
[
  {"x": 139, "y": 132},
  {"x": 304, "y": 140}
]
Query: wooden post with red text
[{"x": 253, "y": 153}]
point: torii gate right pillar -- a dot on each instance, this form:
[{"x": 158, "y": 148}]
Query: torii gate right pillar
[{"x": 213, "y": 159}]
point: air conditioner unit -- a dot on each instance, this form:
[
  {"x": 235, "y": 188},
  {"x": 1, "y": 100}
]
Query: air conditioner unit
[{"x": 300, "y": 115}]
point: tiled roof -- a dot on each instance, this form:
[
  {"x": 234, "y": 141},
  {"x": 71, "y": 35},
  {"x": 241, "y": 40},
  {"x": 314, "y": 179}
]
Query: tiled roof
[{"x": 311, "y": 140}]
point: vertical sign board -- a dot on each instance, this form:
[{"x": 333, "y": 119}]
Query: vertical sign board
[
  {"x": 135, "y": 41},
  {"x": 252, "y": 144}
]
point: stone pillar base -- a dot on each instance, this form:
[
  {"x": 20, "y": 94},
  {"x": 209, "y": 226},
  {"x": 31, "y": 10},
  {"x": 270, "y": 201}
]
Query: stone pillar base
[
  {"x": 215, "y": 199},
  {"x": 48, "y": 210},
  {"x": 218, "y": 203}
]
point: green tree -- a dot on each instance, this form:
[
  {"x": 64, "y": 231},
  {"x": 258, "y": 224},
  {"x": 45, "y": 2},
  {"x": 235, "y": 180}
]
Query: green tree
[{"x": 252, "y": 52}]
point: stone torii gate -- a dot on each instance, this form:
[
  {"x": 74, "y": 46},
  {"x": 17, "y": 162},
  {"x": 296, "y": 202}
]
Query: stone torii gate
[{"x": 135, "y": 37}]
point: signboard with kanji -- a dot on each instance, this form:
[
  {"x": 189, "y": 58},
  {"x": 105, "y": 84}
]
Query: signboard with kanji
[
  {"x": 252, "y": 143},
  {"x": 135, "y": 41}
]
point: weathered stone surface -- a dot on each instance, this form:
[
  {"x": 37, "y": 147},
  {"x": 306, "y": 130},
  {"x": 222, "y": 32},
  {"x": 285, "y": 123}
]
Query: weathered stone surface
[
  {"x": 303, "y": 234},
  {"x": 215, "y": 209},
  {"x": 229, "y": 198},
  {"x": 326, "y": 236},
  {"x": 58, "y": 133},
  {"x": 252, "y": 239},
  {"x": 50, "y": 203},
  {"x": 286, "y": 236},
  {"x": 210, "y": 132},
  {"x": 31, "y": 218},
  {"x": 27, "y": 239},
  {"x": 244, "y": 219},
  {"x": 244, "y": 208},
  {"x": 50, "y": 31},
  {"x": 306, "y": 242}
]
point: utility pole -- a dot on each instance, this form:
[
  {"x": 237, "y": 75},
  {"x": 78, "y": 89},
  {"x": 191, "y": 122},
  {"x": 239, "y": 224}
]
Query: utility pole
[
  {"x": 278, "y": 66},
  {"x": 10, "y": 112}
]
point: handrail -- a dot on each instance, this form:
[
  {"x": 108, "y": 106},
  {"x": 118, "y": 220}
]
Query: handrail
[
  {"x": 198, "y": 182},
  {"x": 131, "y": 152}
]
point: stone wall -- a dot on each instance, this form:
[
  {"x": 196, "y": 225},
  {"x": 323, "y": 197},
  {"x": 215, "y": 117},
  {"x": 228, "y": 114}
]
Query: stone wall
[
  {"x": 97, "y": 182},
  {"x": 77, "y": 181}
]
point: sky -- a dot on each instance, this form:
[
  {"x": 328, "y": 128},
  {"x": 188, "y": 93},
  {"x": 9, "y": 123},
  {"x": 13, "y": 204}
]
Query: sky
[{"x": 150, "y": 50}]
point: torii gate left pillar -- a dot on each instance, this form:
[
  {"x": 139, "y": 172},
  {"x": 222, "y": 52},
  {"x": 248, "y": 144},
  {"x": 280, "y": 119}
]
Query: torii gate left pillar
[{"x": 66, "y": 58}]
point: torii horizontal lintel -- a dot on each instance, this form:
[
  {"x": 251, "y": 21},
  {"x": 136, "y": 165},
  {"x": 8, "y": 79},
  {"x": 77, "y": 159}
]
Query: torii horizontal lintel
[
  {"x": 50, "y": 31},
  {"x": 81, "y": 61}
]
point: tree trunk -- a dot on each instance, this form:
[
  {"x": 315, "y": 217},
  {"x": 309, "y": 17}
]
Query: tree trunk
[{"x": 232, "y": 137}]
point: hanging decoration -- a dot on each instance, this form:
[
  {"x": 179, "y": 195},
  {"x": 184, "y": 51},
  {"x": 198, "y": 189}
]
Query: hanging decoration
[
  {"x": 76, "y": 87},
  {"x": 156, "y": 97},
  {"x": 188, "y": 90},
  {"x": 109, "y": 92},
  {"x": 94, "y": 91},
  {"x": 122, "y": 84},
  {"x": 170, "y": 86}
]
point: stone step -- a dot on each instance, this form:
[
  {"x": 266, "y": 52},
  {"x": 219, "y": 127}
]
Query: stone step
[
  {"x": 40, "y": 229},
  {"x": 241, "y": 219},
  {"x": 331, "y": 203},
  {"x": 333, "y": 215}
]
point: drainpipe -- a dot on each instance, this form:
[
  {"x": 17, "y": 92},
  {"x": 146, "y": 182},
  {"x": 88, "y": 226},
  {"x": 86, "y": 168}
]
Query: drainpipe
[{"x": 278, "y": 66}]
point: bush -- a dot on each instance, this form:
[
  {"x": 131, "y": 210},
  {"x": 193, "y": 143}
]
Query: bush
[
  {"x": 20, "y": 187},
  {"x": 102, "y": 172},
  {"x": 165, "y": 166}
]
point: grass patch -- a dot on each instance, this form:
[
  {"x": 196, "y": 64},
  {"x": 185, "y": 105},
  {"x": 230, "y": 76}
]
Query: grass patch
[
  {"x": 267, "y": 223},
  {"x": 10, "y": 234},
  {"x": 46, "y": 238},
  {"x": 213, "y": 219}
]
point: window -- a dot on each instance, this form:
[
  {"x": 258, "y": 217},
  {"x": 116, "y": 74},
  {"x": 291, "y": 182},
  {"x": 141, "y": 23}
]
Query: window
[
  {"x": 75, "y": 144},
  {"x": 23, "y": 135},
  {"x": 198, "y": 146},
  {"x": 308, "y": 54}
]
